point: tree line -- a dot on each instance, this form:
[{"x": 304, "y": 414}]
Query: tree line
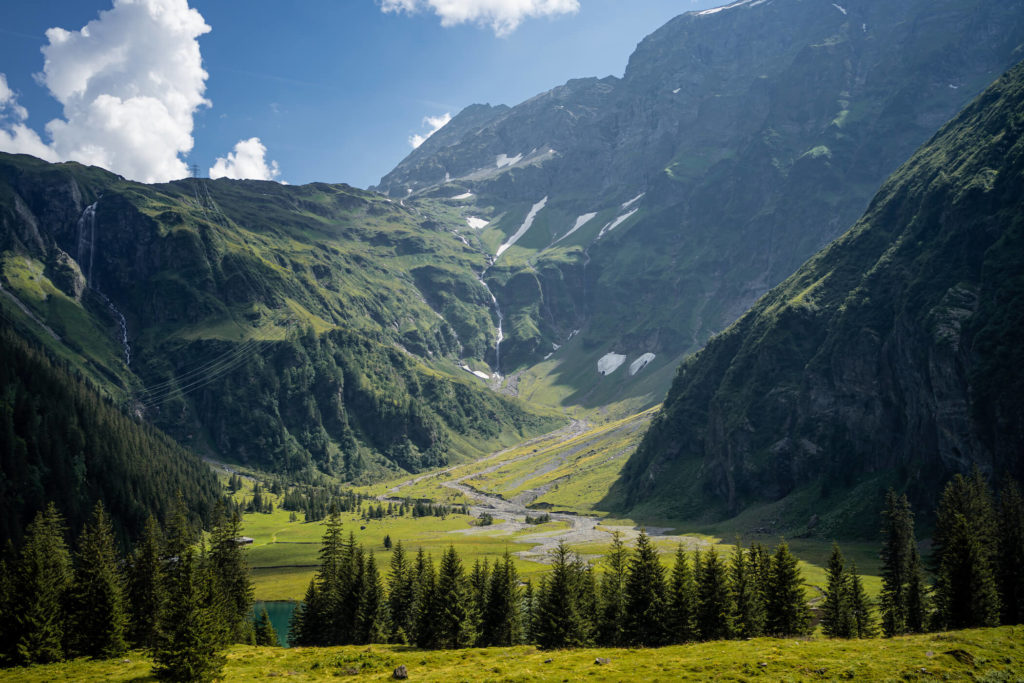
[{"x": 180, "y": 596}]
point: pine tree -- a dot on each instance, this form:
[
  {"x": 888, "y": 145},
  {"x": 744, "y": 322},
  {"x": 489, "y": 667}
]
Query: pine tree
[
  {"x": 863, "y": 621},
  {"x": 231, "y": 574},
  {"x": 502, "y": 619},
  {"x": 401, "y": 594},
  {"x": 456, "y": 614},
  {"x": 189, "y": 635},
  {"x": 681, "y": 619},
  {"x": 788, "y": 614},
  {"x": 964, "y": 549},
  {"x": 263, "y": 630},
  {"x": 41, "y": 583},
  {"x": 897, "y": 539},
  {"x": 837, "y": 611},
  {"x": 426, "y": 602},
  {"x": 747, "y": 604},
  {"x": 479, "y": 581},
  {"x": 529, "y": 609},
  {"x": 145, "y": 586},
  {"x": 1010, "y": 556},
  {"x": 98, "y": 607},
  {"x": 712, "y": 596},
  {"x": 306, "y": 626},
  {"x": 372, "y": 621},
  {"x": 645, "y": 595},
  {"x": 611, "y": 618},
  {"x": 558, "y": 621}
]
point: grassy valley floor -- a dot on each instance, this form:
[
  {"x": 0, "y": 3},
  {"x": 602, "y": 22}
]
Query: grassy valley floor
[{"x": 976, "y": 655}]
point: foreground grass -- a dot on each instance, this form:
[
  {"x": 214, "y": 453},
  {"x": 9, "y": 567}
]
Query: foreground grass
[{"x": 975, "y": 655}]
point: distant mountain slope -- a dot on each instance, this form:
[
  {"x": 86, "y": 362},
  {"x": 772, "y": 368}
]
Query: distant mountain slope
[
  {"x": 293, "y": 328},
  {"x": 894, "y": 356},
  {"x": 738, "y": 142}
]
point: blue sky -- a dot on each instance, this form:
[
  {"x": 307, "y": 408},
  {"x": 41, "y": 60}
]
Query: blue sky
[{"x": 333, "y": 89}]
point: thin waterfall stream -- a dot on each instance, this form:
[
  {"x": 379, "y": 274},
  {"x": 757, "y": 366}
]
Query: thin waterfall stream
[{"x": 85, "y": 251}]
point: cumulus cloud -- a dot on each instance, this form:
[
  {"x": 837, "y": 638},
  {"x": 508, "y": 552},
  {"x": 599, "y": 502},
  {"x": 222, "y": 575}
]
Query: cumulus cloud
[
  {"x": 501, "y": 15},
  {"x": 130, "y": 83},
  {"x": 435, "y": 123},
  {"x": 248, "y": 161},
  {"x": 15, "y": 136}
]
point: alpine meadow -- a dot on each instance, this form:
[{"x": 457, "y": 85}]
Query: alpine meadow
[{"x": 712, "y": 369}]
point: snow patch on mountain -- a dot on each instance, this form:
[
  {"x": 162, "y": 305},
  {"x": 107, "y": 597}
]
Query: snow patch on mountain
[
  {"x": 580, "y": 222},
  {"x": 616, "y": 223},
  {"x": 464, "y": 195},
  {"x": 527, "y": 223},
  {"x": 476, "y": 223},
  {"x": 634, "y": 200},
  {"x": 609, "y": 363},
  {"x": 503, "y": 160},
  {"x": 841, "y": 9},
  {"x": 640, "y": 363}
]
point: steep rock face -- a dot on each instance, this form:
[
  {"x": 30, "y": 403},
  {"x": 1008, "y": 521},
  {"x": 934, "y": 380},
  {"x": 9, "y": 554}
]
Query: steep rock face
[
  {"x": 755, "y": 134},
  {"x": 890, "y": 357}
]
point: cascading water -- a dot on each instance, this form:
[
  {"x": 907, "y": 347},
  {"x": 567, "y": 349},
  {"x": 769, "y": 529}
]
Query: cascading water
[
  {"x": 499, "y": 336},
  {"x": 85, "y": 249}
]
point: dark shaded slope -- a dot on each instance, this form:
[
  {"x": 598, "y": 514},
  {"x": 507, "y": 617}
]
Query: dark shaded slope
[{"x": 893, "y": 356}]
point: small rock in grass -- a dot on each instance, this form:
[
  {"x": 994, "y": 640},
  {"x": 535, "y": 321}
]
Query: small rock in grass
[
  {"x": 401, "y": 673},
  {"x": 548, "y": 661},
  {"x": 929, "y": 654},
  {"x": 601, "y": 660},
  {"x": 126, "y": 661},
  {"x": 762, "y": 664}
]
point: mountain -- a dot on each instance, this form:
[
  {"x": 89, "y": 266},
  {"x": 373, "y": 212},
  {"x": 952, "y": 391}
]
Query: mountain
[
  {"x": 892, "y": 357},
  {"x": 298, "y": 329},
  {"x": 631, "y": 218}
]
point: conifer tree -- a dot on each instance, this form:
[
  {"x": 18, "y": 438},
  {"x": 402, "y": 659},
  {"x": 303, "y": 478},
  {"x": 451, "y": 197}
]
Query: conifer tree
[
  {"x": 263, "y": 630},
  {"x": 917, "y": 593},
  {"x": 306, "y": 626},
  {"x": 529, "y": 609},
  {"x": 479, "y": 581},
  {"x": 788, "y": 614},
  {"x": 964, "y": 549},
  {"x": 558, "y": 621},
  {"x": 187, "y": 645},
  {"x": 401, "y": 594},
  {"x": 712, "y": 596},
  {"x": 145, "y": 586},
  {"x": 645, "y": 595},
  {"x": 837, "y": 610},
  {"x": 897, "y": 539},
  {"x": 747, "y": 605},
  {"x": 611, "y": 618},
  {"x": 231, "y": 574},
  {"x": 502, "y": 619},
  {"x": 862, "y": 618},
  {"x": 7, "y": 632},
  {"x": 681, "y": 619},
  {"x": 41, "y": 583},
  {"x": 372, "y": 626},
  {"x": 1010, "y": 556},
  {"x": 98, "y": 607},
  {"x": 456, "y": 614},
  {"x": 425, "y": 605}
]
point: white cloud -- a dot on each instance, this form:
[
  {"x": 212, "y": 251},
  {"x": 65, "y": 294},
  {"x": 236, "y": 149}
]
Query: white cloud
[
  {"x": 130, "y": 83},
  {"x": 15, "y": 136},
  {"x": 248, "y": 161},
  {"x": 436, "y": 123},
  {"x": 501, "y": 15}
]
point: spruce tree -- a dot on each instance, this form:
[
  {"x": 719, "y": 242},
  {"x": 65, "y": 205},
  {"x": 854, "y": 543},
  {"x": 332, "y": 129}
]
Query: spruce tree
[
  {"x": 502, "y": 618},
  {"x": 788, "y": 614},
  {"x": 187, "y": 645},
  {"x": 401, "y": 594},
  {"x": 479, "y": 581},
  {"x": 645, "y": 595},
  {"x": 713, "y": 609},
  {"x": 558, "y": 621},
  {"x": 897, "y": 539},
  {"x": 681, "y": 618},
  {"x": 145, "y": 586},
  {"x": 747, "y": 604},
  {"x": 456, "y": 614},
  {"x": 917, "y": 593},
  {"x": 7, "y": 632},
  {"x": 231, "y": 574},
  {"x": 426, "y": 603},
  {"x": 372, "y": 619},
  {"x": 1010, "y": 555},
  {"x": 964, "y": 550},
  {"x": 528, "y": 610},
  {"x": 263, "y": 630},
  {"x": 862, "y": 618},
  {"x": 41, "y": 583},
  {"x": 837, "y": 610},
  {"x": 306, "y": 626},
  {"x": 98, "y": 606},
  {"x": 611, "y": 618}
]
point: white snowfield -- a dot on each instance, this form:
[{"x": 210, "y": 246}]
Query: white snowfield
[
  {"x": 741, "y": 3},
  {"x": 634, "y": 200},
  {"x": 580, "y": 222},
  {"x": 640, "y": 363},
  {"x": 841, "y": 9},
  {"x": 464, "y": 195},
  {"x": 609, "y": 363},
  {"x": 476, "y": 223},
  {"x": 527, "y": 223},
  {"x": 676, "y": 91},
  {"x": 481, "y": 374},
  {"x": 616, "y": 223},
  {"x": 503, "y": 160}
]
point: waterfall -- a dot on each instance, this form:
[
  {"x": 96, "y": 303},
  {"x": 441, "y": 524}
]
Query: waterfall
[
  {"x": 85, "y": 250},
  {"x": 499, "y": 335},
  {"x": 86, "y": 241}
]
